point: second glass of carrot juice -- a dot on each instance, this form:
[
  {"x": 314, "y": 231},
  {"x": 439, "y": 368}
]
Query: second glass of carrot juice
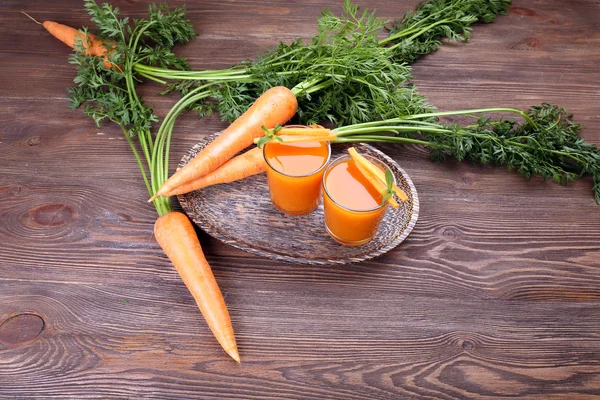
[
  {"x": 294, "y": 174},
  {"x": 353, "y": 207}
]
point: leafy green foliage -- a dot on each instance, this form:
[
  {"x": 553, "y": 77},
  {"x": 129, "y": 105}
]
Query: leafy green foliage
[
  {"x": 342, "y": 75},
  {"x": 547, "y": 144},
  {"x": 420, "y": 31},
  {"x": 103, "y": 91},
  {"x": 110, "y": 94},
  {"x": 107, "y": 93},
  {"x": 552, "y": 148},
  {"x": 106, "y": 18}
]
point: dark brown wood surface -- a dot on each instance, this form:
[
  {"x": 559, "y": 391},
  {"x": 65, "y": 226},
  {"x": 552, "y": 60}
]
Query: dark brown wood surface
[{"x": 495, "y": 294}]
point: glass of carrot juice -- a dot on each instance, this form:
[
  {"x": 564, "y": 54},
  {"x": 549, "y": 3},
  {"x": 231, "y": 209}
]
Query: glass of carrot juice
[
  {"x": 294, "y": 174},
  {"x": 353, "y": 207}
]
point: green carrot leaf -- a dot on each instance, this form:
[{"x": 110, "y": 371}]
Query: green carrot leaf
[{"x": 389, "y": 179}]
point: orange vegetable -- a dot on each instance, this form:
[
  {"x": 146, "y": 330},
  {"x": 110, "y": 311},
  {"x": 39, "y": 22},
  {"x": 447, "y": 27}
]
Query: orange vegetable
[
  {"x": 376, "y": 177},
  {"x": 378, "y": 173},
  {"x": 305, "y": 131},
  {"x": 275, "y": 106},
  {"x": 69, "y": 36},
  {"x": 177, "y": 237},
  {"x": 247, "y": 164},
  {"x": 294, "y": 138}
]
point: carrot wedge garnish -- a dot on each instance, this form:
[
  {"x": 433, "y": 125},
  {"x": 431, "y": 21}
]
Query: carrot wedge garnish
[
  {"x": 379, "y": 174},
  {"x": 296, "y": 139},
  {"x": 304, "y": 131},
  {"x": 376, "y": 177}
]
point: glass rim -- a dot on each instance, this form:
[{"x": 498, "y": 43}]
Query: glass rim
[
  {"x": 339, "y": 160},
  {"x": 316, "y": 171}
]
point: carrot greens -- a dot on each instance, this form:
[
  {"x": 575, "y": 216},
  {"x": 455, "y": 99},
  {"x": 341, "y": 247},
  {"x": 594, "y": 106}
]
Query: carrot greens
[
  {"x": 345, "y": 73},
  {"x": 110, "y": 93},
  {"x": 547, "y": 143},
  {"x": 420, "y": 31}
]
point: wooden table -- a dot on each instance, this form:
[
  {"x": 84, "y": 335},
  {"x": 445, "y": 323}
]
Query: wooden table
[{"x": 495, "y": 294}]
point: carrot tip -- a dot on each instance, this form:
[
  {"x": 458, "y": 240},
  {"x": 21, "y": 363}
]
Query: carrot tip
[
  {"x": 235, "y": 355},
  {"x": 152, "y": 198},
  {"x": 33, "y": 19}
]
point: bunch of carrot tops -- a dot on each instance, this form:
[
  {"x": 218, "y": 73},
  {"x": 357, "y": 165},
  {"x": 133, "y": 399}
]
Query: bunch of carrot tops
[{"x": 345, "y": 74}]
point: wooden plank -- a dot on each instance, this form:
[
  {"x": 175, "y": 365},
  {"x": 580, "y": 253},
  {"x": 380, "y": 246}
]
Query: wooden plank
[{"x": 117, "y": 340}]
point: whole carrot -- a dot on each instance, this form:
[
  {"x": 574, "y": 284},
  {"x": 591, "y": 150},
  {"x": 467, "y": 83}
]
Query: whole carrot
[
  {"x": 246, "y": 164},
  {"x": 275, "y": 106},
  {"x": 174, "y": 232},
  {"x": 177, "y": 237},
  {"x": 69, "y": 36},
  {"x": 249, "y": 163}
]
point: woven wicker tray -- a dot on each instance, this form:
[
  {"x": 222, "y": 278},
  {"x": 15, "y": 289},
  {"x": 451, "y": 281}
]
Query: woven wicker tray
[{"x": 241, "y": 214}]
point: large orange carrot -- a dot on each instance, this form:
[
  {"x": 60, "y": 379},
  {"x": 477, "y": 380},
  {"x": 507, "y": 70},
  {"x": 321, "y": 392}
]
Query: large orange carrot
[
  {"x": 69, "y": 36},
  {"x": 275, "y": 106},
  {"x": 175, "y": 234},
  {"x": 246, "y": 164}
]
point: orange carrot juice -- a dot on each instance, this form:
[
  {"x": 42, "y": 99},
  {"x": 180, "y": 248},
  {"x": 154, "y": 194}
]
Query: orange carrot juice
[
  {"x": 353, "y": 207},
  {"x": 294, "y": 174}
]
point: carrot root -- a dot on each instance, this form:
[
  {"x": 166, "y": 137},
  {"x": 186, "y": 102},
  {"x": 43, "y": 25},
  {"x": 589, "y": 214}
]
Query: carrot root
[
  {"x": 246, "y": 164},
  {"x": 69, "y": 36},
  {"x": 31, "y": 18},
  {"x": 276, "y": 106},
  {"x": 177, "y": 237}
]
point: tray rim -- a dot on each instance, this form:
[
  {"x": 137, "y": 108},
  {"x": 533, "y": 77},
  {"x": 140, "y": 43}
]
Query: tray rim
[{"x": 182, "y": 198}]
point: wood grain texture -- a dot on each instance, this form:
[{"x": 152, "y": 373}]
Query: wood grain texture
[{"x": 494, "y": 294}]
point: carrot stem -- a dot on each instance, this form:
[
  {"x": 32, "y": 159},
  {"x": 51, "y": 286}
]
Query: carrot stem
[
  {"x": 160, "y": 156},
  {"x": 152, "y": 78},
  {"x": 137, "y": 158}
]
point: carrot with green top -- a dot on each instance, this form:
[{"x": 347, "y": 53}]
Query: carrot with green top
[
  {"x": 275, "y": 107},
  {"x": 70, "y": 36},
  {"x": 112, "y": 96}
]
